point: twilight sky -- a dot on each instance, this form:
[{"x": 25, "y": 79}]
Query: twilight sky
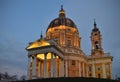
[{"x": 21, "y": 22}]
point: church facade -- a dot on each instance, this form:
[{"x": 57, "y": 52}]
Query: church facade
[{"x": 59, "y": 54}]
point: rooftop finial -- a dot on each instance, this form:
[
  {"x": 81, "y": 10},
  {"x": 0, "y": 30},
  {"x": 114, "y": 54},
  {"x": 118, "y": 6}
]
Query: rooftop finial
[
  {"x": 41, "y": 36},
  {"x": 94, "y": 23}
]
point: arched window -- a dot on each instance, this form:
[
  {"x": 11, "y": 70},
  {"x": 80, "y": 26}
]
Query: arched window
[
  {"x": 90, "y": 68},
  {"x": 69, "y": 42},
  {"x": 73, "y": 62},
  {"x": 96, "y": 45},
  {"x": 90, "y": 74}
]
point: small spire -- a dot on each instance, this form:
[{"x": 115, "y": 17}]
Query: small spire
[
  {"x": 41, "y": 36},
  {"x": 95, "y": 23},
  {"x": 61, "y": 7},
  {"x": 95, "y": 27}
]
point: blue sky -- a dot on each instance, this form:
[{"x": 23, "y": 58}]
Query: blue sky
[{"x": 21, "y": 22}]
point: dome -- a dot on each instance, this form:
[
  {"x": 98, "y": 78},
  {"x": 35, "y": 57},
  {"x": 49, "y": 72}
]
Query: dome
[{"x": 62, "y": 20}]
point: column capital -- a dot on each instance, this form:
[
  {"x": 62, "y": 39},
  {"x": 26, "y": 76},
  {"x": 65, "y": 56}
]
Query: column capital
[
  {"x": 34, "y": 56},
  {"x": 29, "y": 56},
  {"x": 60, "y": 58},
  {"x": 45, "y": 53}
]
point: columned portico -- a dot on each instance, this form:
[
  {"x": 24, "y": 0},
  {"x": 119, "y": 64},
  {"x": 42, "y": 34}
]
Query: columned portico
[{"x": 44, "y": 62}]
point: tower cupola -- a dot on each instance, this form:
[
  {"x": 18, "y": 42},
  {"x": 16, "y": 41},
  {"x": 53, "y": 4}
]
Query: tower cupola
[{"x": 96, "y": 40}]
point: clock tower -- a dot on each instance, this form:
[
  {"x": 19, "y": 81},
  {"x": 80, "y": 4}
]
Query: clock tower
[{"x": 96, "y": 39}]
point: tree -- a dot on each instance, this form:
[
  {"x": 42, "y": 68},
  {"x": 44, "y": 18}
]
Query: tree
[
  {"x": 14, "y": 77},
  {"x": 6, "y": 75},
  {"x": 23, "y": 77},
  {"x": 0, "y": 76}
]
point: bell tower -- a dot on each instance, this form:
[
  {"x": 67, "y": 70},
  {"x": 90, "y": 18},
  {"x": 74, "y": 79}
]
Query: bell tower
[{"x": 96, "y": 39}]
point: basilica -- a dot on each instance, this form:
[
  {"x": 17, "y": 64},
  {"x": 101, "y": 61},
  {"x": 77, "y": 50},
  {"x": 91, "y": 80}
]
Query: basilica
[{"x": 59, "y": 53}]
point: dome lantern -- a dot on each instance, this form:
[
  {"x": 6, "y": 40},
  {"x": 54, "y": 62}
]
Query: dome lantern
[{"x": 62, "y": 12}]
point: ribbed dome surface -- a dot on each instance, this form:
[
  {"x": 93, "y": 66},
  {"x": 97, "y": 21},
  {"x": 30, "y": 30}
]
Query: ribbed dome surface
[{"x": 62, "y": 21}]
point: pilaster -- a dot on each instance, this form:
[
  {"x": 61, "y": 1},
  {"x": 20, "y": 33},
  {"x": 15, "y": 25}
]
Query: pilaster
[
  {"x": 104, "y": 70},
  {"x": 66, "y": 68},
  {"x": 79, "y": 68},
  {"x": 83, "y": 69},
  {"x": 93, "y": 70}
]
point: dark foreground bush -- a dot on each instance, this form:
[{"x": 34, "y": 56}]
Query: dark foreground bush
[{"x": 74, "y": 79}]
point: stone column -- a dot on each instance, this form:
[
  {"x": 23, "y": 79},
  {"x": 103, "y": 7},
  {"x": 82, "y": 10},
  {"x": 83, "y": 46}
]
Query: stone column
[
  {"x": 45, "y": 65},
  {"x": 104, "y": 70},
  {"x": 42, "y": 70},
  {"x": 55, "y": 67},
  {"x": 51, "y": 66},
  {"x": 39, "y": 69},
  {"x": 28, "y": 70},
  {"x": 34, "y": 71},
  {"x": 60, "y": 65},
  {"x": 83, "y": 69},
  {"x": 66, "y": 68},
  {"x": 79, "y": 68}
]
